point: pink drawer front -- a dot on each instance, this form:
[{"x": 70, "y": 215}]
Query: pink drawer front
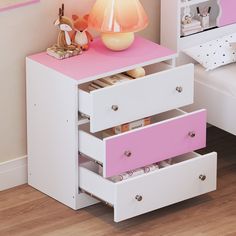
[{"x": 160, "y": 141}]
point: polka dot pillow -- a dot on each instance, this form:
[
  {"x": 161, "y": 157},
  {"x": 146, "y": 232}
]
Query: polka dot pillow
[{"x": 215, "y": 53}]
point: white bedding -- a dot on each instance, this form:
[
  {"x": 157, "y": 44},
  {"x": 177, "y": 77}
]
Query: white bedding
[{"x": 223, "y": 78}]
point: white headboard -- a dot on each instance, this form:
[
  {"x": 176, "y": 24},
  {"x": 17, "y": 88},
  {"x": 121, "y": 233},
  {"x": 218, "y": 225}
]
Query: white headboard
[{"x": 222, "y": 22}]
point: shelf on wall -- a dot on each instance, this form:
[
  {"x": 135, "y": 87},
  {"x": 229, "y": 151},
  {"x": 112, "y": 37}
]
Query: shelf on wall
[
  {"x": 206, "y": 36},
  {"x": 212, "y": 26},
  {"x": 203, "y": 5},
  {"x": 207, "y": 29}
]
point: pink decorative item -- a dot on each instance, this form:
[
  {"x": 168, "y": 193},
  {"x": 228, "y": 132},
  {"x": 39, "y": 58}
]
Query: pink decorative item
[{"x": 117, "y": 20}]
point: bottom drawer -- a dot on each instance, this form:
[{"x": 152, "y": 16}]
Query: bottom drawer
[{"x": 190, "y": 175}]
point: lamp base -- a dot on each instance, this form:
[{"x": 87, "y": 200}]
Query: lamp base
[{"x": 117, "y": 41}]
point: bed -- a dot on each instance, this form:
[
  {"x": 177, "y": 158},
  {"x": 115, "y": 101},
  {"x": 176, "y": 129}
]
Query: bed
[
  {"x": 222, "y": 79},
  {"x": 215, "y": 80},
  {"x": 216, "y": 91}
]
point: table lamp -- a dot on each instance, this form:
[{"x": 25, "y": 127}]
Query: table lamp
[{"x": 117, "y": 20}]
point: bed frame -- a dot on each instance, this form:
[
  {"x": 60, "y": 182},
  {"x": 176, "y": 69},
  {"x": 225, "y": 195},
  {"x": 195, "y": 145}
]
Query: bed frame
[{"x": 221, "y": 106}]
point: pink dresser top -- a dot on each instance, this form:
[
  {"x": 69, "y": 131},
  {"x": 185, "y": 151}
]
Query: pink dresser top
[{"x": 99, "y": 61}]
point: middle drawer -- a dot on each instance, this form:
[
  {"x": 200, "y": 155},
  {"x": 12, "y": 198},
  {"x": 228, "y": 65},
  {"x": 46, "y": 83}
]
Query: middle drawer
[{"x": 172, "y": 133}]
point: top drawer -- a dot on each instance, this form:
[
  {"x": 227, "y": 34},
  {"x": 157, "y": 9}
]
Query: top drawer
[{"x": 153, "y": 94}]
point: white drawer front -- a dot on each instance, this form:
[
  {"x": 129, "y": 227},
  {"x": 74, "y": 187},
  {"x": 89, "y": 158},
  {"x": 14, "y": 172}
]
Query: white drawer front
[
  {"x": 161, "y": 188},
  {"x": 138, "y": 98}
]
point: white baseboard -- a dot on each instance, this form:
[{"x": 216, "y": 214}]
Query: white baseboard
[{"x": 13, "y": 173}]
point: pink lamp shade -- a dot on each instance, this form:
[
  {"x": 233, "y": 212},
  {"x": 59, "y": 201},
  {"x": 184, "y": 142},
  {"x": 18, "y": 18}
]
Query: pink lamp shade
[{"x": 118, "y": 16}]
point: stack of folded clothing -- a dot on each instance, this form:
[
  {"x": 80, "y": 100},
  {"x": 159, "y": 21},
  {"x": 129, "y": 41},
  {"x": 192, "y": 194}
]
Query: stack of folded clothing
[
  {"x": 191, "y": 28},
  {"x": 117, "y": 79},
  {"x": 126, "y": 127},
  {"x": 108, "y": 81},
  {"x": 140, "y": 171}
]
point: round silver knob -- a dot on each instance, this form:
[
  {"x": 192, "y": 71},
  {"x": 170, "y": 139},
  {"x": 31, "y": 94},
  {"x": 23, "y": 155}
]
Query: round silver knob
[
  {"x": 179, "y": 89},
  {"x": 115, "y": 108},
  {"x": 192, "y": 134},
  {"x": 128, "y": 153},
  {"x": 202, "y": 177},
  {"x": 139, "y": 198}
]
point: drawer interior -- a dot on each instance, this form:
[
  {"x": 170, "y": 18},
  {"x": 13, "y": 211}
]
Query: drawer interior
[
  {"x": 154, "y": 120},
  {"x": 92, "y": 166},
  {"x": 150, "y": 69},
  {"x": 94, "y": 184}
]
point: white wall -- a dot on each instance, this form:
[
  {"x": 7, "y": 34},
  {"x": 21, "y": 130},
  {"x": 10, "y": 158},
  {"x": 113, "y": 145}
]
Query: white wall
[{"x": 25, "y": 31}]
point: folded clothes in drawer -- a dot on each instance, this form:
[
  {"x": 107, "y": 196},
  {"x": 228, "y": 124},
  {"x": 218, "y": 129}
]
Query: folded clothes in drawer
[
  {"x": 137, "y": 172},
  {"x": 116, "y": 79}
]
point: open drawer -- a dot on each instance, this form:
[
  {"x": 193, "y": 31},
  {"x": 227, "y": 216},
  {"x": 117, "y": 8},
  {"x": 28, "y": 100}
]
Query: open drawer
[
  {"x": 162, "y": 89},
  {"x": 171, "y": 134},
  {"x": 189, "y": 176}
]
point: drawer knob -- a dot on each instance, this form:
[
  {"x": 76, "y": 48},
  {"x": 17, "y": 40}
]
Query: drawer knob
[
  {"x": 115, "y": 108},
  {"x": 202, "y": 177},
  {"x": 192, "y": 134},
  {"x": 139, "y": 198},
  {"x": 179, "y": 89},
  {"x": 128, "y": 153}
]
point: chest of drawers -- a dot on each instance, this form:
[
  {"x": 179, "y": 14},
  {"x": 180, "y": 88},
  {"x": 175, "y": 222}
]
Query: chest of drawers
[{"x": 59, "y": 139}]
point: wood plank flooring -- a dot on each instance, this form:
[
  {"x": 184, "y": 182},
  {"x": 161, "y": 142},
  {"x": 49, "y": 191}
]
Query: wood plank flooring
[{"x": 25, "y": 211}]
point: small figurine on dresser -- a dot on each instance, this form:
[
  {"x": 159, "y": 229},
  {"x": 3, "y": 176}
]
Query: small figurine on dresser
[
  {"x": 82, "y": 38},
  {"x": 64, "y": 48}
]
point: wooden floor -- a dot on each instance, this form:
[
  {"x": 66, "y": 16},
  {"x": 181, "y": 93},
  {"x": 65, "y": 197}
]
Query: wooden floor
[{"x": 25, "y": 211}]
